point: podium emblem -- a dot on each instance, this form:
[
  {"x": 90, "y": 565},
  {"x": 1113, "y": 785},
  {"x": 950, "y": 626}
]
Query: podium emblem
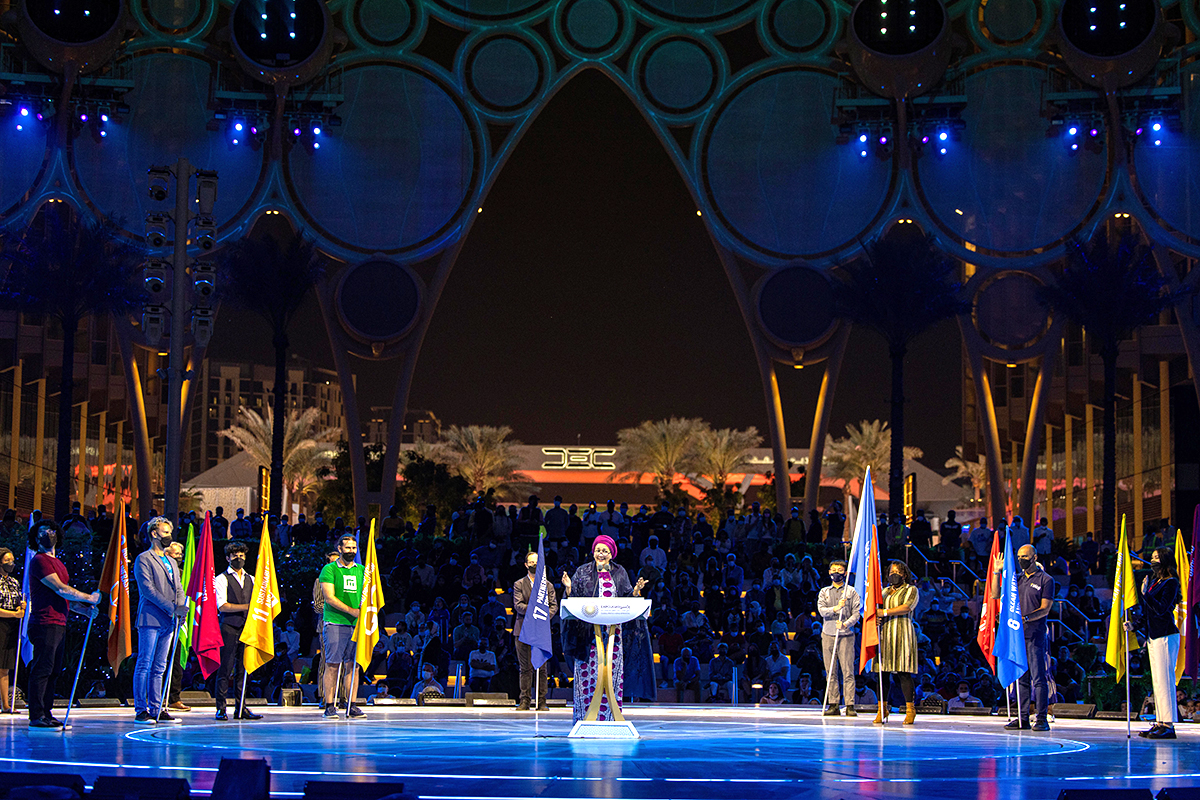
[{"x": 590, "y": 610}]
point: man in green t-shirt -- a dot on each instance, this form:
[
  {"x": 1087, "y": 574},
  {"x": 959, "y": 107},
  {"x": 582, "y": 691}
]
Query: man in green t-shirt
[{"x": 341, "y": 582}]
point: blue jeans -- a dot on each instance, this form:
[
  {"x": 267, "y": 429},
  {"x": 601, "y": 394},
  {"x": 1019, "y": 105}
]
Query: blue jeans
[{"x": 154, "y": 648}]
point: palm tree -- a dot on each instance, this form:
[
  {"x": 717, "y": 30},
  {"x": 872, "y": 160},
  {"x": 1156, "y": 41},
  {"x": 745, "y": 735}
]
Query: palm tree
[
  {"x": 485, "y": 457},
  {"x": 307, "y": 450},
  {"x": 973, "y": 471},
  {"x": 661, "y": 449},
  {"x": 1110, "y": 292},
  {"x": 720, "y": 453},
  {"x": 271, "y": 279},
  {"x": 868, "y": 445},
  {"x": 69, "y": 268},
  {"x": 900, "y": 288}
]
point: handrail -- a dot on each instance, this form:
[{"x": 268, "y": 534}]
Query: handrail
[
  {"x": 1087, "y": 620},
  {"x": 1069, "y": 630},
  {"x": 957, "y": 588},
  {"x": 956, "y": 563}
]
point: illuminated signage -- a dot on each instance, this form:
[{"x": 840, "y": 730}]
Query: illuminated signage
[{"x": 579, "y": 457}]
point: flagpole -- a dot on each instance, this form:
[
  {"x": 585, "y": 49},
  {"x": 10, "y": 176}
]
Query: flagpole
[
  {"x": 337, "y": 689},
  {"x": 1128, "y": 707},
  {"x": 12, "y": 706},
  {"x": 837, "y": 632},
  {"x": 242, "y": 702},
  {"x": 82, "y": 655},
  {"x": 353, "y": 686},
  {"x": 170, "y": 671},
  {"x": 1008, "y": 702}
]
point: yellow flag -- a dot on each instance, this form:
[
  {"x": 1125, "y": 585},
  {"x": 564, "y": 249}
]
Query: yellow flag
[
  {"x": 1183, "y": 567},
  {"x": 366, "y": 630},
  {"x": 259, "y": 633},
  {"x": 1120, "y": 641}
]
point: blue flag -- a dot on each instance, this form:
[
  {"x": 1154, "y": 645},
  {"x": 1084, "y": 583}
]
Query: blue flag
[
  {"x": 1011, "y": 660},
  {"x": 863, "y": 527},
  {"x": 535, "y": 630},
  {"x": 26, "y": 645}
]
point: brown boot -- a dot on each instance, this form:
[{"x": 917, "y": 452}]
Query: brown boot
[
  {"x": 910, "y": 713},
  {"x": 881, "y": 714}
]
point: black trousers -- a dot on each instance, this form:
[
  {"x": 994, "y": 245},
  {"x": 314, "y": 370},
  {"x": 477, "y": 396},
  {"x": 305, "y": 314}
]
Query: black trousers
[
  {"x": 1034, "y": 683},
  {"x": 525, "y": 661},
  {"x": 231, "y": 666},
  {"x": 49, "y": 646}
]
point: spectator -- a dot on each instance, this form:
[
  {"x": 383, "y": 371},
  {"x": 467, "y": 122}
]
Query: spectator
[
  {"x": 981, "y": 540},
  {"x": 557, "y": 522},
  {"x": 653, "y": 556},
  {"x": 720, "y": 675},
  {"x": 465, "y": 635},
  {"x": 482, "y": 663},
  {"x": 963, "y": 697},
  {"x": 804, "y": 694},
  {"x": 778, "y": 667},
  {"x": 774, "y": 695},
  {"x": 1043, "y": 538},
  {"x": 732, "y": 577},
  {"x": 686, "y": 670},
  {"x": 1018, "y": 533},
  {"x": 428, "y": 685},
  {"x": 921, "y": 532},
  {"x": 12, "y": 609}
]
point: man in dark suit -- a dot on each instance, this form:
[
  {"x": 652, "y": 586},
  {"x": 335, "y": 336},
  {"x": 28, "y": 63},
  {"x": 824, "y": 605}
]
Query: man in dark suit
[{"x": 522, "y": 596}]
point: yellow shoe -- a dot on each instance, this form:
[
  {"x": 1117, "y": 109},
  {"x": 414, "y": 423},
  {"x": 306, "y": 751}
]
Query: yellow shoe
[
  {"x": 881, "y": 714},
  {"x": 910, "y": 713}
]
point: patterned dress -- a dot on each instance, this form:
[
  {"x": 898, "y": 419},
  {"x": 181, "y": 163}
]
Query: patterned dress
[
  {"x": 10, "y": 600},
  {"x": 587, "y": 672},
  {"x": 897, "y": 636}
]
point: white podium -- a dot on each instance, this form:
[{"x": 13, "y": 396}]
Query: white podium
[{"x": 604, "y": 612}]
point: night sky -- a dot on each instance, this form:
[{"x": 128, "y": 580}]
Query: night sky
[{"x": 588, "y": 297}]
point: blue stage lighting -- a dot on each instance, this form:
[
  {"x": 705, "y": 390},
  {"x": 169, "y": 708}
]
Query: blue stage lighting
[
  {"x": 103, "y": 134},
  {"x": 316, "y": 130},
  {"x": 24, "y": 111},
  {"x": 943, "y": 151},
  {"x": 1073, "y": 130},
  {"x": 235, "y": 141},
  {"x": 316, "y": 145},
  {"x": 295, "y": 131},
  {"x": 1157, "y": 142},
  {"x": 943, "y": 136},
  {"x": 862, "y": 137},
  {"x": 862, "y": 153},
  {"x": 237, "y": 126}
]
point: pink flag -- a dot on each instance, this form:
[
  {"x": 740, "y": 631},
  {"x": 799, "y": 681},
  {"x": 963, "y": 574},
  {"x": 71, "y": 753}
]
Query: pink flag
[{"x": 206, "y": 631}]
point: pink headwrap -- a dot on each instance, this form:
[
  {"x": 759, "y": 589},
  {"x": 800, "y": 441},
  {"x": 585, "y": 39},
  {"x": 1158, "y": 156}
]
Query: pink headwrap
[{"x": 607, "y": 541}]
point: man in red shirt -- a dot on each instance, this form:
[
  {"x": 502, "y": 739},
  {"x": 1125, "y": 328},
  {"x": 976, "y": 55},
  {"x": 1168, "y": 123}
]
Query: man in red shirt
[{"x": 49, "y": 592}]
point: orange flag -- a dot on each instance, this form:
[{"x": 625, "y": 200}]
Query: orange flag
[
  {"x": 871, "y": 600},
  {"x": 986, "y": 635},
  {"x": 114, "y": 581}
]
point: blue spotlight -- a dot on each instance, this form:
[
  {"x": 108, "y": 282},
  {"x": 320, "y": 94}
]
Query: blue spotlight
[
  {"x": 316, "y": 130},
  {"x": 943, "y": 136},
  {"x": 237, "y": 126},
  {"x": 1074, "y": 129},
  {"x": 24, "y": 111}
]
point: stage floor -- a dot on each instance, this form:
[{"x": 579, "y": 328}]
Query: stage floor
[{"x": 685, "y": 752}]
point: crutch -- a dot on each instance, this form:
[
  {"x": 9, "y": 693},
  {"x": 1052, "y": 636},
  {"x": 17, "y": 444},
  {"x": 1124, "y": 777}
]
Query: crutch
[
  {"x": 82, "y": 655},
  {"x": 834, "y": 657}
]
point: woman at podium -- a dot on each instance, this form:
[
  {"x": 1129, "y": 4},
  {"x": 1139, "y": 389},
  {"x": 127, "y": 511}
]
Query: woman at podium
[{"x": 633, "y": 660}]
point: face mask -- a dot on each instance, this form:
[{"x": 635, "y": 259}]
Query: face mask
[
  {"x": 47, "y": 540},
  {"x": 531, "y": 567},
  {"x": 237, "y": 563},
  {"x": 895, "y": 580},
  {"x": 164, "y": 541},
  {"x": 1025, "y": 563},
  {"x": 837, "y": 577},
  {"x": 8, "y": 568},
  {"x": 964, "y": 695}
]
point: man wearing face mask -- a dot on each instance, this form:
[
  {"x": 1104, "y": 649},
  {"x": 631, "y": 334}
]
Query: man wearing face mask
[
  {"x": 963, "y": 698},
  {"x": 841, "y": 608},
  {"x": 161, "y": 605},
  {"x": 341, "y": 583},
  {"x": 523, "y": 593},
  {"x": 234, "y": 590},
  {"x": 1036, "y": 590},
  {"x": 48, "y": 595}
]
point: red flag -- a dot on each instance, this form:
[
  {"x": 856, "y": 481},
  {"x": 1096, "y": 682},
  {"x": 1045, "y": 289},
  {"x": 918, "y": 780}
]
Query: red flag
[
  {"x": 873, "y": 596},
  {"x": 1191, "y": 641},
  {"x": 990, "y": 612},
  {"x": 206, "y": 630},
  {"x": 114, "y": 581}
]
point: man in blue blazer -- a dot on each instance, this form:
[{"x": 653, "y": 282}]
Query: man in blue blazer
[{"x": 161, "y": 604}]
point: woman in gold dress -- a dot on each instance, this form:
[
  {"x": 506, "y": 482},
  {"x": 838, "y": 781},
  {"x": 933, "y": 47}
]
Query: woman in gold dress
[{"x": 897, "y": 640}]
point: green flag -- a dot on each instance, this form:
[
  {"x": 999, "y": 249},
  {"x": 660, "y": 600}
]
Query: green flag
[{"x": 189, "y": 560}]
